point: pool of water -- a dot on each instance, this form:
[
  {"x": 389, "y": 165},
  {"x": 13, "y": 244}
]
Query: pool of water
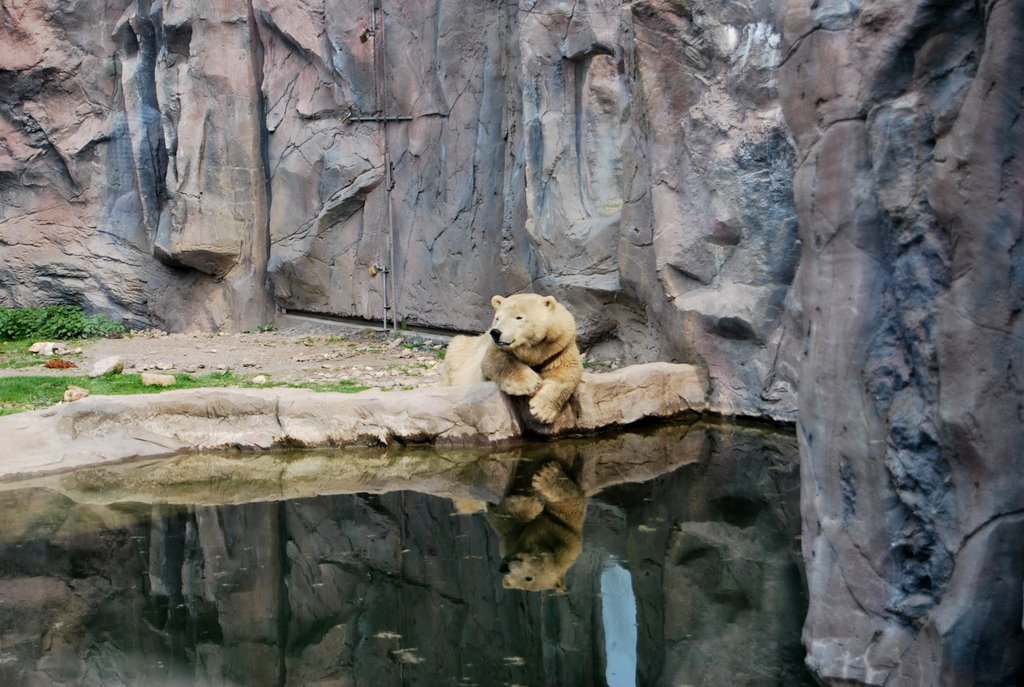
[{"x": 393, "y": 566}]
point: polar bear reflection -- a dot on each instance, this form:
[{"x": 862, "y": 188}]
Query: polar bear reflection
[{"x": 540, "y": 531}]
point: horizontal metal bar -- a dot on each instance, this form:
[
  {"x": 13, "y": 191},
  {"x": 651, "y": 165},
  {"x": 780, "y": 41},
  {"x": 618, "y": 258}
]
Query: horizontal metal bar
[{"x": 378, "y": 118}]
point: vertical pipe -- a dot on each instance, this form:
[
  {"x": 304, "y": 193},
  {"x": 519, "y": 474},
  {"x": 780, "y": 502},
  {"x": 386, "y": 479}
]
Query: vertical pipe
[
  {"x": 389, "y": 179},
  {"x": 384, "y": 291}
]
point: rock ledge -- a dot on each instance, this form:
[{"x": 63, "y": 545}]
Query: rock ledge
[{"x": 104, "y": 429}]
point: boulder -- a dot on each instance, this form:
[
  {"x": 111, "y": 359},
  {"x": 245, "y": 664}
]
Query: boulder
[
  {"x": 74, "y": 393},
  {"x": 157, "y": 379},
  {"x": 111, "y": 365}
]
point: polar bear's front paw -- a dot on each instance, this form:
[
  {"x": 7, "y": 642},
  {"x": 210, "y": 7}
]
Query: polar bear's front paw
[
  {"x": 547, "y": 480},
  {"x": 544, "y": 410},
  {"x": 525, "y": 383},
  {"x": 521, "y": 507}
]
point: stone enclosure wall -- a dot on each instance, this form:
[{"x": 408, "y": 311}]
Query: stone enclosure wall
[{"x": 199, "y": 164}]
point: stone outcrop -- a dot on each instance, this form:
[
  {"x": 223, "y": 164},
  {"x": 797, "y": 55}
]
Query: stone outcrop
[
  {"x": 132, "y": 178},
  {"x": 193, "y": 166},
  {"x": 908, "y": 122},
  {"x": 102, "y": 429}
]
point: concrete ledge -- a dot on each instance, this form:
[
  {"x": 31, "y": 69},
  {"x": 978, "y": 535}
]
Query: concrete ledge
[{"x": 105, "y": 429}]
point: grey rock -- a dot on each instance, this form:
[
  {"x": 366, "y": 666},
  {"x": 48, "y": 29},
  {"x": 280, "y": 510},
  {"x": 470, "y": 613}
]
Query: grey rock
[
  {"x": 910, "y": 408},
  {"x": 157, "y": 379},
  {"x": 110, "y": 365}
]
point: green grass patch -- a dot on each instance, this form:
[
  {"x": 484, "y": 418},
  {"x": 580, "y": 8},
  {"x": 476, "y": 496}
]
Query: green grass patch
[
  {"x": 18, "y": 394},
  {"x": 14, "y": 354}
]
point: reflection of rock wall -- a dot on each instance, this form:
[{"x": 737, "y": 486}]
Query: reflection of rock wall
[
  {"x": 376, "y": 589},
  {"x": 908, "y": 118},
  {"x": 715, "y": 566},
  {"x": 166, "y": 162}
]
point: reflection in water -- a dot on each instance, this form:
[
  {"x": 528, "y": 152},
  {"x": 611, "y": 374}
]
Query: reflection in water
[
  {"x": 618, "y": 613},
  {"x": 688, "y": 573},
  {"x": 540, "y": 527}
]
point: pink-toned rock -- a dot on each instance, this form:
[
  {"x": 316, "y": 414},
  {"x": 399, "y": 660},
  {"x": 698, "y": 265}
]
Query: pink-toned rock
[
  {"x": 157, "y": 379},
  {"x": 75, "y": 393},
  {"x": 627, "y": 157}
]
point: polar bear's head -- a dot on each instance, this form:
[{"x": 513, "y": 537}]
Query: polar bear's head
[
  {"x": 526, "y": 321},
  {"x": 534, "y": 571}
]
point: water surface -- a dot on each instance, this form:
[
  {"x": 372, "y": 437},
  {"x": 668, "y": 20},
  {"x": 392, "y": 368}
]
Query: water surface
[{"x": 379, "y": 567}]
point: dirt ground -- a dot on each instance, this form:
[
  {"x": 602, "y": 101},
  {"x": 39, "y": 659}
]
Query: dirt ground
[{"x": 307, "y": 353}]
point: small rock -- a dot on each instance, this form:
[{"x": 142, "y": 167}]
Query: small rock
[
  {"x": 248, "y": 363},
  {"x": 38, "y": 346},
  {"x": 164, "y": 366},
  {"x": 156, "y": 379},
  {"x": 111, "y": 365},
  {"x": 75, "y": 393},
  {"x": 222, "y": 368},
  {"x": 260, "y": 379}
]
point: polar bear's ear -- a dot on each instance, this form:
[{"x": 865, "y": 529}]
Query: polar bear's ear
[
  {"x": 549, "y": 302},
  {"x": 496, "y": 302}
]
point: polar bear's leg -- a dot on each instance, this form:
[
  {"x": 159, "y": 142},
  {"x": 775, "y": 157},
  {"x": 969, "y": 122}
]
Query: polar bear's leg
[
  {"x": 561, "y": 377},
  {"x": 554, "y": 485},
  {"x": 512, "y": 376}
]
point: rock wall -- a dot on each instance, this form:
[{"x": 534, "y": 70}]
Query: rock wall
[
  {"x": 195, "y": 165},
  {"x": 907, "y": 118},
  {"x": 132, "y": 178}
]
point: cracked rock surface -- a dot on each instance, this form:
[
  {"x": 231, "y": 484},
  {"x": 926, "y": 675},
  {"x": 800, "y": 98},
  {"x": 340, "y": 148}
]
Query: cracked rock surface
[
  {"x": 909, "y": 192},
  {"x": 194, "y": 166}
]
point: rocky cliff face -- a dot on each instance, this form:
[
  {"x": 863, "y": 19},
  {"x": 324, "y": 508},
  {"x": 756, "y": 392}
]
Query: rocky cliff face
[
  {"x": 909, "y": 134},
  {"x": 196, "y": 165}
]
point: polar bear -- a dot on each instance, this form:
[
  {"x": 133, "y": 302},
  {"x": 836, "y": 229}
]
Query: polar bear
[
  {"x": 540, "y": 533},
  {"x": 529, "y": 350}
]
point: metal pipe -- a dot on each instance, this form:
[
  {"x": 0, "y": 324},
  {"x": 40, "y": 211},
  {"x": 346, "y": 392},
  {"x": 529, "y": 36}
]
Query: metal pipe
[
  {"x": 382, "y": 270},
  {"x": 389, "y": 178},
  {"x": 384, "y": 292}
]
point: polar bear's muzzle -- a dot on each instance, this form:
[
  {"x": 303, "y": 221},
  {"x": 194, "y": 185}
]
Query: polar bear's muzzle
[{"x": 496, "y": 335}]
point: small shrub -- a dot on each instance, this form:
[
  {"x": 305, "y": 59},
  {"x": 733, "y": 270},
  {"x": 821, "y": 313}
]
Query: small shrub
[
  {"x": 55, "y": 322},
  {"x": 101, "y": 326}
]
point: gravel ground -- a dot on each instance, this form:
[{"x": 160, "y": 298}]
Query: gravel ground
[{"x": 298, "y": 354}]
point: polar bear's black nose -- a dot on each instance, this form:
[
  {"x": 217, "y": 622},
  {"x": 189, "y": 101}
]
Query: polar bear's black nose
[
  {"x": 496, "y": 334},
  {"x": 503, "y": 568}
]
